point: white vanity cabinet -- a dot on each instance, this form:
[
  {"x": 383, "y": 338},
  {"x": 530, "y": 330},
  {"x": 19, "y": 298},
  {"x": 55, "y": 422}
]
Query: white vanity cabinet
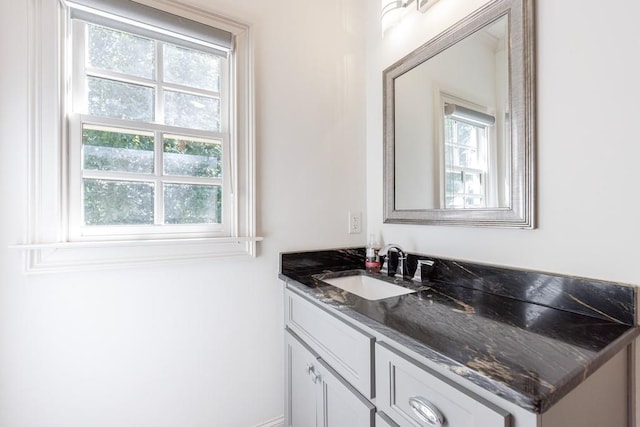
[{"x": 337, "y": 369}]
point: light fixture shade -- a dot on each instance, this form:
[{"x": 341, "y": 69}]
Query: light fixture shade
[
  {"x": 423, "y": 5},
  {"x": 391, "y": 12}
]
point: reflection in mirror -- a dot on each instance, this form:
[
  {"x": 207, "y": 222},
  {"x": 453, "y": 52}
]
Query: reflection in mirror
[
  {"x": 458, "y": 124},
  {"x": 450, "y": 114}
]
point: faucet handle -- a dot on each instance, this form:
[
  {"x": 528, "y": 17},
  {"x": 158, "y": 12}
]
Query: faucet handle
[
  {"x": 417, "y": 277},
  {"x": 384, "y": 252},
  {"x": 386, "y": 265},
  {"x": 384, "y": 270}
]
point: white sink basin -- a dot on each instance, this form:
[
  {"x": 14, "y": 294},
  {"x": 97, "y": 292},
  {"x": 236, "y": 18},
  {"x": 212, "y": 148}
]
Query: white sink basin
[{"x": 368, "y": 287}]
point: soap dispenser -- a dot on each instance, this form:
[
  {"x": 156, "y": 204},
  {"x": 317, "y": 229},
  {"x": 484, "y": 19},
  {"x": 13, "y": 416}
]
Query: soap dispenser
[{"x": 372, "y": 261}]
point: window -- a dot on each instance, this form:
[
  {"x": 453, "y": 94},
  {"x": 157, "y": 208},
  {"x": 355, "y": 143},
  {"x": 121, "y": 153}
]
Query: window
[
  {"x": 149, "y": 131},
  {"x": 151, "y": 141},
  {"x": 466, "y": 157}
]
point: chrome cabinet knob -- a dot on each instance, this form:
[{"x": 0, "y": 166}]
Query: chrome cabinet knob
[
  {"x": 315, "y": 377},
  {"x": 311, "y": 370},
  {"x": 426, "y": 411}
]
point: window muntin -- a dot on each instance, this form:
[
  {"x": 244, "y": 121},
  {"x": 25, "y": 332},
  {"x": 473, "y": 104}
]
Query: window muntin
[{"x": 148, "y": 140}]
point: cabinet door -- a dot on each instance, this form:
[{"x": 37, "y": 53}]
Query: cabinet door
[
  {"x": 301, "y": 393},
  {"x": 342, "y": 405},
  {"x": 316, "y": 395}
]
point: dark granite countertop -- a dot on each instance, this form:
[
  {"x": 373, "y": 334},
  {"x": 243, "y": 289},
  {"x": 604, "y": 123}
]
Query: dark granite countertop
[{"x": 530, "y": 351}]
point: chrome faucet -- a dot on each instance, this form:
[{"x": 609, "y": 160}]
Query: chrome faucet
[{"x": 402, "y": 257}]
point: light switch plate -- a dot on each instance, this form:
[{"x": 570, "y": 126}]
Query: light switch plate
[{"x": 355, "y": 222}]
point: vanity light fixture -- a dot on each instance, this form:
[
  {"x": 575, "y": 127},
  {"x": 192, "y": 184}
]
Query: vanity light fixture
[
  {"x": 423, "y": 5},
  {"x": 393, "y": 11}
]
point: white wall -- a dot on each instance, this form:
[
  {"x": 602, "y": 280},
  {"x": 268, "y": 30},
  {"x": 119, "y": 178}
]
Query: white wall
[
  {"x": 588, "y": 146},
  {"x": 195, "y": 344}
]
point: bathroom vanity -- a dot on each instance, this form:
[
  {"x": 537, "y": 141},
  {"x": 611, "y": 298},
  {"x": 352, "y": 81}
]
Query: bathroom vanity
[{"x": 468, "y": 345}]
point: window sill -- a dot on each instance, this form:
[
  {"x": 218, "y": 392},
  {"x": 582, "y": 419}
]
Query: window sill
[{"x": 95, "y": 255}]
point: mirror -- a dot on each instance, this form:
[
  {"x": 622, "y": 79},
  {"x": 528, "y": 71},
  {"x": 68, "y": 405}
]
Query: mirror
[{"x": 459, "y": 124}]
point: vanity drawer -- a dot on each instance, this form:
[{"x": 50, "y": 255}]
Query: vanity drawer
[
  {"x": 411, "y": 394},
  {"x": 347, "y": 349}
]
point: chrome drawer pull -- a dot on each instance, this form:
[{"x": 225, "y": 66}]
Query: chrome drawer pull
[{"x": 426, "y": 411}]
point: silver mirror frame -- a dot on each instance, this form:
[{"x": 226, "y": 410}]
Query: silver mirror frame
[{"x": 521, "y": 213}]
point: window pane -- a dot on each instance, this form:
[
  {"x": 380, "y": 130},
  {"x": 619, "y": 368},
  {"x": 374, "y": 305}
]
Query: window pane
[
  {"x": 454, "y": 202},
  {"x": 466, "y": 157},
  {"x": 466, "y": 134},
  {"x": 191, "y": 68},
  {"x": 473, "y": 202},
  {"x": 192, "y": 204},
  {"x": 472, "y": 183},
  {"x": 110, "y": 98},
  {"x": 192, "y": 111},
  {"x": 116, "y": 150},
  {"x": 454, "y": 183},
  {"x": 186, "y": 157},
  {"x": 449, "y": 129},
  {"x": 448, "y": 155},
  {"x": 121, "y": 52},
  {"x": 117, "y": 202}
]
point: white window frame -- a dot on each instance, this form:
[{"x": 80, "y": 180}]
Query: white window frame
[
  {"x": 50, "y": 244},
  {"x": 80, "y": 232}
]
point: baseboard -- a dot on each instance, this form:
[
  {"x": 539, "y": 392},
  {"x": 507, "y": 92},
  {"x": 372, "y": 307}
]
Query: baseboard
[{"x": 276, "y": 422}]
